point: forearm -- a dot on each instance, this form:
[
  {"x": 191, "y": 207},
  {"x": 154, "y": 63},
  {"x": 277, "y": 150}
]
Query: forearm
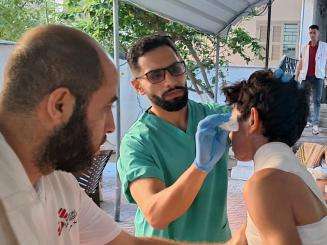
[
  {"x": 282, "y": 239},
  {"x": 298, "y": 69},
  {"x": 297, "y": 73},
  {"x": 127, "y": 239},
  {"x": 172, "y": 202},
  {"x": 157, "y": 241}
]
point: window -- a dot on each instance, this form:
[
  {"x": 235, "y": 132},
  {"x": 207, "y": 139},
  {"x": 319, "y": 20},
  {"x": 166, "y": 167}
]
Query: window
[
  {"x": 290, "y": 38},
  {"x": 277, "y": 34},
  {"x": 263, "y": 33},
  {"x": 275, "y": 52}
]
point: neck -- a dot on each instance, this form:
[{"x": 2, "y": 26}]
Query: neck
[
  {"x": 21, "y": 142},
  {"x": 177, "y": 118},
  {"x": 257, "y": 143},
  {"x": 314, "y": 43}
]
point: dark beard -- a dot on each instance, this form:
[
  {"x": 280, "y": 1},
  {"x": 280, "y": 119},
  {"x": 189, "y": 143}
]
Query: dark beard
[
  {"x": 69, "y": 148},
  {"x": 173, "y": 105}
]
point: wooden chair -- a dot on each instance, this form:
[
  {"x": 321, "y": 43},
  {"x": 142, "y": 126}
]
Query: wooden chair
[{"x": 89, "y": 179}]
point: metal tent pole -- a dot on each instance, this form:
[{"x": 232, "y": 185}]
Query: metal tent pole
[
  {"x": 217, "y": 69},
  {"x": 118, "y": 131},
  {"x": 268, "y": 34}
]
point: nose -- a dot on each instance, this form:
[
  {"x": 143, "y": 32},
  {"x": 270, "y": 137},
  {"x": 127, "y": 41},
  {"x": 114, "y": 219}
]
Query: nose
[{"x": 110, "y": 123}]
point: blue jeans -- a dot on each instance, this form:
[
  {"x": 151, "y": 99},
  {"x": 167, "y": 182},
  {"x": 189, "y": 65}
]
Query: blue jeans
[{"x": 315, "y": 86}]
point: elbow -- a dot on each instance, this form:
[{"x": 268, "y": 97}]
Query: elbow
[
  {"x": 157, "y": 224},
  {"x": 156, "y": 219}
]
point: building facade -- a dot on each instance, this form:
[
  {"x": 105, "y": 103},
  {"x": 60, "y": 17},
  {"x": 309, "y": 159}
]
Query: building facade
[{"x": 284, "y": 34}]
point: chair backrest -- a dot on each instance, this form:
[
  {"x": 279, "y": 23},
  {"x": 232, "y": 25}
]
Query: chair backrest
[
  {"x": 288, "y": 64},
  {"x": 89, "y": 178},
  {"x": 311, "y": 154}
]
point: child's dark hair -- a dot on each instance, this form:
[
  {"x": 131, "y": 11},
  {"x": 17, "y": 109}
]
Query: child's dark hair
[{"x": 283, "y": 107}]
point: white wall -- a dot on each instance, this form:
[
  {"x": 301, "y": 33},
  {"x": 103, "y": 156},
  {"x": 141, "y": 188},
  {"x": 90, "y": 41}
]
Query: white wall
[
  {"x": 132, "y": 105},
  {"x": 307, "y": 19},
  {"x": 238, "y": 73},
  {"x": 5, "y": 51}
]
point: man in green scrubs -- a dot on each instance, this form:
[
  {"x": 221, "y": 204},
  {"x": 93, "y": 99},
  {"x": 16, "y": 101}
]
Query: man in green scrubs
[{"x": 176, "y": 175}]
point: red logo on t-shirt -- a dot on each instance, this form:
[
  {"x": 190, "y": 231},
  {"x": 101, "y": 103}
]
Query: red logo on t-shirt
[{"x": 66, "y": 220}]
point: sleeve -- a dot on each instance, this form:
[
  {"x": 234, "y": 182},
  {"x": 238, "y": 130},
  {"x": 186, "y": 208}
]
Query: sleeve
[
  {"x": 302, "y": 51},
  {"x": 136, "y": 162},
  {"x": 95, "y": 225}
]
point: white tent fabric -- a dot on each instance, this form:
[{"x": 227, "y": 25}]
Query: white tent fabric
[{"x": 208, "y": 16}]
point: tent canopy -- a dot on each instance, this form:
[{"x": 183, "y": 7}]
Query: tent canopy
[
  {"x": 208, "y": 16},
  {"x": 4, "y": 42}
]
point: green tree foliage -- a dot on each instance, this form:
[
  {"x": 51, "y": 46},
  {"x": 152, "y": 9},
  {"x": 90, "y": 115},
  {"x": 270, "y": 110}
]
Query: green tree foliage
[
  {"x": 95, "y": 18},
  {"x": 16, "y": 16}
]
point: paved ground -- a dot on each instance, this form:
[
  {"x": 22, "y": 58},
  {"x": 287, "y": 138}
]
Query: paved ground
[{"x": 236, "y": 207}]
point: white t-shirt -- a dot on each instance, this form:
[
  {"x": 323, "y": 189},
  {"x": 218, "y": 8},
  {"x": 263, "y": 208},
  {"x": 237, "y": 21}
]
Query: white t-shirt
[{"x": 56, "y": 211}]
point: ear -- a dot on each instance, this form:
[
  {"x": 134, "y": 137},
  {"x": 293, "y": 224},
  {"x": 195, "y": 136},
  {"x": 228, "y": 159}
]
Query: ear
[
  {"x": 60, "y": 105},
  {"x": 137, "y": 85},
  {"x": 254, "y": 121}
]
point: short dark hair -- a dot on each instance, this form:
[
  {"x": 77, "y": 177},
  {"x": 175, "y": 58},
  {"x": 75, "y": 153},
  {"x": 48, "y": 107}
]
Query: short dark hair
[
  {"x": 283, "y": 107},
  {"x": 46, "y": 58},
  {"x": 314, "y": 27},
  {"x": 145, "y": 45}
]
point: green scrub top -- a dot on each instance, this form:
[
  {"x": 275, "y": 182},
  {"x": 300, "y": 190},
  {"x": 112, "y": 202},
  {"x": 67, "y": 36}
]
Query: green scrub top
[{"x": 154, "y": 148}]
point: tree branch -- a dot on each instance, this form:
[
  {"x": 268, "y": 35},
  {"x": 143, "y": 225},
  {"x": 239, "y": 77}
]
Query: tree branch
[
  {"x": 199, "y": 63},
  {"x": 193, "y": 80},
  {"x": 196, "y": 83}
]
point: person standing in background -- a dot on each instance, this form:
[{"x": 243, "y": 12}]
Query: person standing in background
[{"x": 311, "y": 72}]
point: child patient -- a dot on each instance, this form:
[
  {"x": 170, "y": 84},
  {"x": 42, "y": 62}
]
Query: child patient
[{"x": 284, "y": 205}]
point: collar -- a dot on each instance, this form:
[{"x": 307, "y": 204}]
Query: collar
[
  {"x": 272, "y": 154},
  {"x": 313, "y": 46},
  {"x": 13, "y": 178},
  {"x": 19, "y": 199}
]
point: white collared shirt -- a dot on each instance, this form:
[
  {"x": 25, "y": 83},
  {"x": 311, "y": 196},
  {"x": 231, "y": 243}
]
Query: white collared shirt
[{"x": 56, "y": 211}]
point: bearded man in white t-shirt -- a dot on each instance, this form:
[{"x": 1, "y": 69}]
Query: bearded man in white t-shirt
[{"x": 55, "y": 110}]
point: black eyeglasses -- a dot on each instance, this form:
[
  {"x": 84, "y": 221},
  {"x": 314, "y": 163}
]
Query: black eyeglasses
[{"x": 158, "y": 75}]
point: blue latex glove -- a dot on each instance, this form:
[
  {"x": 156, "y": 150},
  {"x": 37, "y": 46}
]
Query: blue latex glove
[
  {"x": 211, "y": 142},
  {"x": 284, "y": 77}
]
